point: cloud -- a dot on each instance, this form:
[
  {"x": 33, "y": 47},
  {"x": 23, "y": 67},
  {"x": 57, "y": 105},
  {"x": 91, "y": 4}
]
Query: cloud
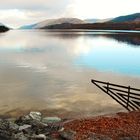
[
  {"x": 19, "y": 12},
  {"x": 33, "y": 4},
  {"x": 16, "y": 12}
]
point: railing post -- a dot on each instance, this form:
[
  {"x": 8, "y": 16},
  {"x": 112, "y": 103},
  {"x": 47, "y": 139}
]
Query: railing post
[
  {"x": 107, "y": 87},
  {"x": 128, "y": 96}
]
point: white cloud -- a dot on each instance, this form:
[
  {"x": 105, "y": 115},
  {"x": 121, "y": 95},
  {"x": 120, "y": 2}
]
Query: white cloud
[
  {"x": 105, "y": 8},
  {"x": 19, "y": 12}
]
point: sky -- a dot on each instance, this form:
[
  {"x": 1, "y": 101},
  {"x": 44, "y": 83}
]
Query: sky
[{"x": 15, "y": 13}]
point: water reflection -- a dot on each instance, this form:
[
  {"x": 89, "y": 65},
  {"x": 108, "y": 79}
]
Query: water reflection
[
  {"x": 52, "y": 71},
  {"x": 133, "y": 39}
]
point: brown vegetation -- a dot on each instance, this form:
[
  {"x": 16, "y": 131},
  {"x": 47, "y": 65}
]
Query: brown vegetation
[{"x": 114, "y": 127}]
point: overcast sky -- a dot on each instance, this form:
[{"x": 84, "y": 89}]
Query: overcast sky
[{"x": 15, "y": 13}]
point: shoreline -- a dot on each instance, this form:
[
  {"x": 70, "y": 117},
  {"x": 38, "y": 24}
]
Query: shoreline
[{"x": 117, "y": 126}]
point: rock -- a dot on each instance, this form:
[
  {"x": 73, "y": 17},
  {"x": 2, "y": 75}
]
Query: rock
[
  {"x": 7, "y": 129},
  {"x": 4, "y": 124},
  {"x": 29, "y": 119},
  {"x": 13, "y": 127},
  {"x": 20, "y": 136},
  {"x": 39, "y": 137},
  {"x": 47, "y": 120},
  {"x": 68, "y": 135},
  {"x": 61, "y": 129},
  {"x": 26, "y": 126},
  {"x": 23, "y": 120},
  {"x": 35, "y": 115}
]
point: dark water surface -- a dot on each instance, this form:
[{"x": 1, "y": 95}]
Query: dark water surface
[{"x": 51, "y": 71}]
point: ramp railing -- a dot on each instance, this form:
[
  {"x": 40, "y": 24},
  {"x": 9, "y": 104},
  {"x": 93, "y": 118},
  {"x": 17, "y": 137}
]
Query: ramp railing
[{"x": 126, "y": 96}]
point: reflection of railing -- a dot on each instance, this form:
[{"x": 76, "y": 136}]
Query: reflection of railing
[{"x": 128, "y": 97}]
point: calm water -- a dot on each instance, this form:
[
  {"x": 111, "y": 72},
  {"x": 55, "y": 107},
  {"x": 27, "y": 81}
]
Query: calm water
[{"x": 51, "y": 71}]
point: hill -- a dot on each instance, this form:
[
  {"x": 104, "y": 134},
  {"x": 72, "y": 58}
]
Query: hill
[
  {"x": 97, "y": 20},
  {"x": 3, "y": 28},
  {"x": 97, "y": 26},
  {"x": 50, "y": 22},
  {"x": 127, "y": 22},
  {"x": 127, "y": 18}
]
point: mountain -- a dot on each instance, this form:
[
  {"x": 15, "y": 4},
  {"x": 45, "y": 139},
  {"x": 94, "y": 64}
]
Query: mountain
[
  {"x": 94, "y": 20},
  {"x": 28, "y": 26},
  {"x": 3, "y": 28},
  {"x": 49, "y": 22},
  {"x": 97, "y": 26},
  {"x": 128, "y": 22},
  {"x": 127, "y": 18},
  {"x": 97, "y": 20}
]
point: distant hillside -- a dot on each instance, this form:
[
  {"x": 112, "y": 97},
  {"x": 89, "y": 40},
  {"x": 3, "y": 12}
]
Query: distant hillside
[
  {"x": 97, "y": 20},
  {"x": 28, "y": 26},
  {"x": 128, "y": 22},
  {"x": 3, "y": 28},
  {"x": 127, "y": 18},
  {"x": 97, "y": 26},
  {"x": 49, "y": 22}
]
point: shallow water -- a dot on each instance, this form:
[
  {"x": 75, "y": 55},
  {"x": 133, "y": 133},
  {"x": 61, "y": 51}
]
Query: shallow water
[{"x": 51, "y": 71}]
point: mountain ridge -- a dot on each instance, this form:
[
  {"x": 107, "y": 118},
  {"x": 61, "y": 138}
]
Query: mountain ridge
[
  {"x": 127, "y": 18},
  {"x": 70, "y": 23},
  {"x": 49, "y": 22}
]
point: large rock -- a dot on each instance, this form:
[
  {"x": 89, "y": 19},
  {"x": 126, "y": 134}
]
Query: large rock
[
  {"x": 35, "y": 115},
  {"x": 29, "y": 119},
  {"x": 7, "y": 129}
]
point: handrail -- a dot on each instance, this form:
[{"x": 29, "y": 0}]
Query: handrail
[{"x": 122, "y": 94}]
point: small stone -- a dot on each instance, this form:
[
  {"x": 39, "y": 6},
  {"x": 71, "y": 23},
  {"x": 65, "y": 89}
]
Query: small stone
[
  {"x": 61, "y": 129},
  {"x": 68, "y": 135},
  {"x": 39, "y": 137},
  {"x": 24, "y": 127},
  {"x": 51, "y": 120},
  {"x": 35, "y": 115},
  {"x": 23, "y": 120},
  {"x": 4, "y": 124},
  {"x": 13, "y": 127},
  {"x": 20, "y": 136}
]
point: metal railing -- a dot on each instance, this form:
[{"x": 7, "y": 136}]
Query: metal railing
[{"x": 126, "y": 96}]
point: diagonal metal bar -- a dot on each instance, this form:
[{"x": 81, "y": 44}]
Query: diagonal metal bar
[
  {"x": 94, "y": 82},
  {"x": 122, "y": 94}
]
